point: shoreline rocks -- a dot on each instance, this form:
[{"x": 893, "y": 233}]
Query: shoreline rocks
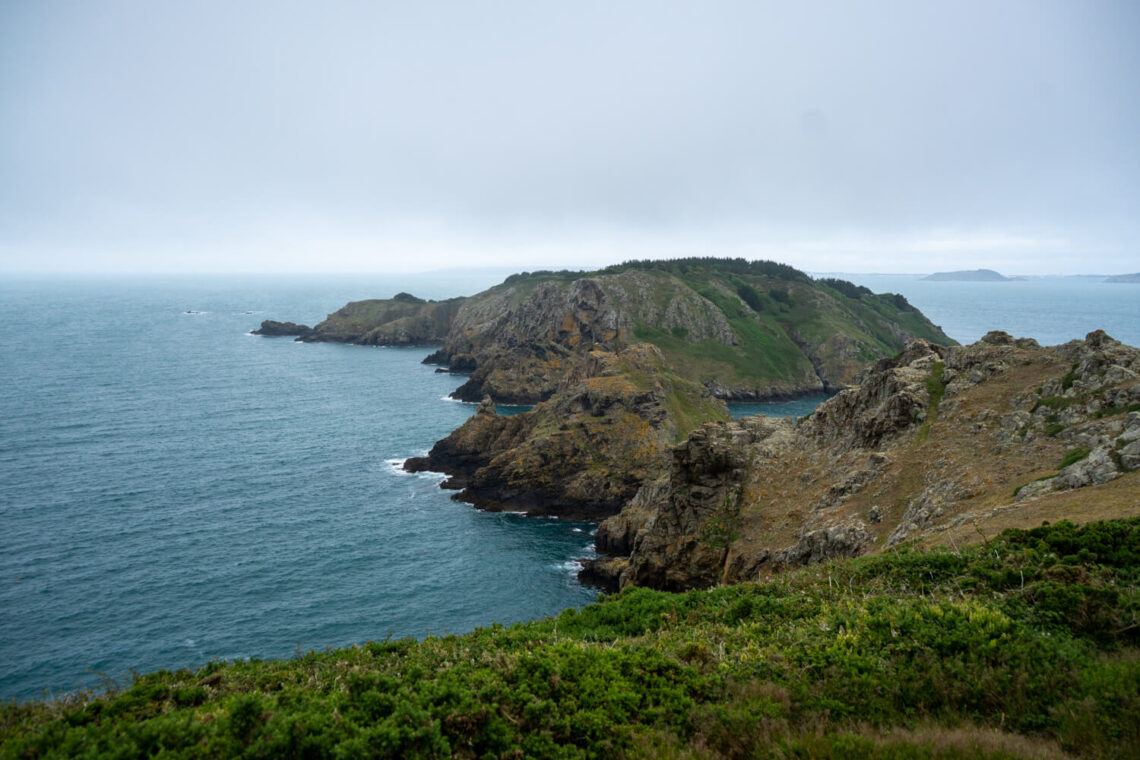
[{"x": 274, "y": 329}]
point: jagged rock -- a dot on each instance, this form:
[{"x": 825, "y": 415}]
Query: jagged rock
[
  {"x": 1096, "y": 469},
  {"x": 890, "y": 399},
  {"x": 584, "y": 453},
  {"x": 272, "y": 328},
  {"x": 616, "y": 535},
  {"x": 516, "y": 339},
  {"x": 403, "y": 320},
  {"x": 1036, "y": 489},
  {"x": 844, "y": 540},
  {"x": 603, "y": 572},
  {"x": 867, "y": 470}
]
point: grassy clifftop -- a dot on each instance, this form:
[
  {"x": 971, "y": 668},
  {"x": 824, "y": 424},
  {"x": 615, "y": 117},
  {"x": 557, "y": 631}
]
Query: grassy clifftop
[
  {"x": 403, "y": 320},
  {"x": 742, "y": 329},
  {"x": 1026, "y": 646}
]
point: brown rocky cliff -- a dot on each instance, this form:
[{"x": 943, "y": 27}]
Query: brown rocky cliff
[
  {"x": 518, "y": 339},
  {"x": 403, "y": 320},
  {"x": 942, "y": 445},
  {"x": 585, "y": 452}
]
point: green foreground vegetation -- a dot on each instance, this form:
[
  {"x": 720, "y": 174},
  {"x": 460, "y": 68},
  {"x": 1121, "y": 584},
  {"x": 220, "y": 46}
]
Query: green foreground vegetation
[{"x": 1023, "y": 646}]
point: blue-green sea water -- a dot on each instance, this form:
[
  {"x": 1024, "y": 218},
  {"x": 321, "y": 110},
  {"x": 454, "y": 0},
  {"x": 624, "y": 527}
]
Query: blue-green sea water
[
  {"x": 174, "y": 490},
  {"x": 1051, "y": 310}
]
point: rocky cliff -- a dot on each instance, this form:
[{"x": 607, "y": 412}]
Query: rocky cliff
[
  {"x": 402, "y": 320},
  {"x": 743, "y": 330},
  {"x": 585, "y": 452},
  {"x": 274, "y": 329},
  {"x": 939, "y": 444}
]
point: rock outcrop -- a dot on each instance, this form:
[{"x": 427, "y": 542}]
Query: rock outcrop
[
  {"x": 403, "y": 320},
  {"x": 585, "y": 452},
  {"x": 272, "y": 328},
  {"x": 744, "y": 331},
  {"x": 937, "y": 444}
]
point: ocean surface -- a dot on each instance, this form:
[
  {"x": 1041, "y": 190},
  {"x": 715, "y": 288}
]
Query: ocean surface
[
  {"x": 1051, "y": 310},
  {"x": 174, "y": 490}
]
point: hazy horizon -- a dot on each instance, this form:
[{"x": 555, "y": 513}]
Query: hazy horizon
[{"x": 896, "y": 138}]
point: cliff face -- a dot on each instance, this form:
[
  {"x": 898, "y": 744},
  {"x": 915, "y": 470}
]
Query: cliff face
[
  {"x": 584, "y": 453},
  {"x": 274, "y": 329},
  {"x": 400, "y": 321},
  {"x": 743, "y": 331},
  {"x": 940, "y": 445}
]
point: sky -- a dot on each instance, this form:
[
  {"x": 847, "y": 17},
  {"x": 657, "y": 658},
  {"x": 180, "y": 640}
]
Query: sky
[{"x": 880, "y": 136}]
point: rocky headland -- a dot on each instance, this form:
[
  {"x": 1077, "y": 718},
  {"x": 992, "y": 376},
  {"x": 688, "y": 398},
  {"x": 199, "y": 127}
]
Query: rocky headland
[
  {"x": 585, "y": 452},
  {"x": 743, "y": 330},
  {"x": 746, "y": 331},
  {"x": 940, "y": 445},
  {"x": 403, "y": 320},
  {"x": 628, "y": 368},
  {"x": 273, "y": 329}
]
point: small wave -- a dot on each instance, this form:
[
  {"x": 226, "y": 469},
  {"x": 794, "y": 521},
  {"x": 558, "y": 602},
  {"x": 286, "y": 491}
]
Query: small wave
[
  {"x": 571, "y": 566},
  {"x": 576, "y": 530},
  {"x": 397, "y": 466},
  {"x": 455, "y": 400}
]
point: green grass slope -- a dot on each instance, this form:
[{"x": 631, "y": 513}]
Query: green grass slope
[
  {"x": 788, "y": 330},
  {"x": 400, "y": 320},
  {"x": 1026, "y": 646}
]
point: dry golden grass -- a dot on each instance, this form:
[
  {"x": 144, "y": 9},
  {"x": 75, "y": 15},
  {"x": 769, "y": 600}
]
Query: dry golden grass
[{"x": 966, "y": 448}]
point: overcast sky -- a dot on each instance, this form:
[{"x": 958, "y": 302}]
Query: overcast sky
[{"x": 339, "y": 136}]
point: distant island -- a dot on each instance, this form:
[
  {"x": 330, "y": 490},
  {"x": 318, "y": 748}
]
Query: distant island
[
  {"x": 1124, "y": 278},
  {"x": 972, "y": 275}
]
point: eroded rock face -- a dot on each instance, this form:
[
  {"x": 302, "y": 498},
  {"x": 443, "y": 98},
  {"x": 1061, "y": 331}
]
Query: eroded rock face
[
  {"x": 517, "y": 339},
  {"x": 930, "y": 441},
  {"x": 584, "y": 453},
  {"x": 403, "y": 320}
]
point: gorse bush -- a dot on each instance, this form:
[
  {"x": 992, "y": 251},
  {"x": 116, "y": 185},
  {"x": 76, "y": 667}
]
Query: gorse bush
[{"x": 1023, "y": 646}]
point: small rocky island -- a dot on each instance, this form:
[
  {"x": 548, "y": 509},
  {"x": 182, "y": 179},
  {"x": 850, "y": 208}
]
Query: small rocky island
[{"x": 971, "y": 275}]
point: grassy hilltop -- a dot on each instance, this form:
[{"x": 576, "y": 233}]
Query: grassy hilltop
[
  {"x": 742, "y": 329},
  {"x": 1024, "y": 646}
]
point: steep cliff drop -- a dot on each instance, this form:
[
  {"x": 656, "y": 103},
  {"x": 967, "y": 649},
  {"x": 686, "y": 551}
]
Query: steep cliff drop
[{"x": 936, "y": 445}]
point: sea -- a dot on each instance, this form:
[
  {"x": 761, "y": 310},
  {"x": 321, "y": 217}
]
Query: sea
[{"x": 174, "y": 490}]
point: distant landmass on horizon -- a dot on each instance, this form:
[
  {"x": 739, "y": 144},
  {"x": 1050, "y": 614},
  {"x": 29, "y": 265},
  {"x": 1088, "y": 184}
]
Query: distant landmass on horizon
[
  {"x": 1124, "y": 278},
  {"x": 971, "y": 275}
]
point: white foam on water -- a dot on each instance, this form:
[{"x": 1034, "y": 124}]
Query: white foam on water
[
  {"x": 397, "y": 466},
  {"x": 571, "y": 566},
  {"x": 455, "y": 400}
]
